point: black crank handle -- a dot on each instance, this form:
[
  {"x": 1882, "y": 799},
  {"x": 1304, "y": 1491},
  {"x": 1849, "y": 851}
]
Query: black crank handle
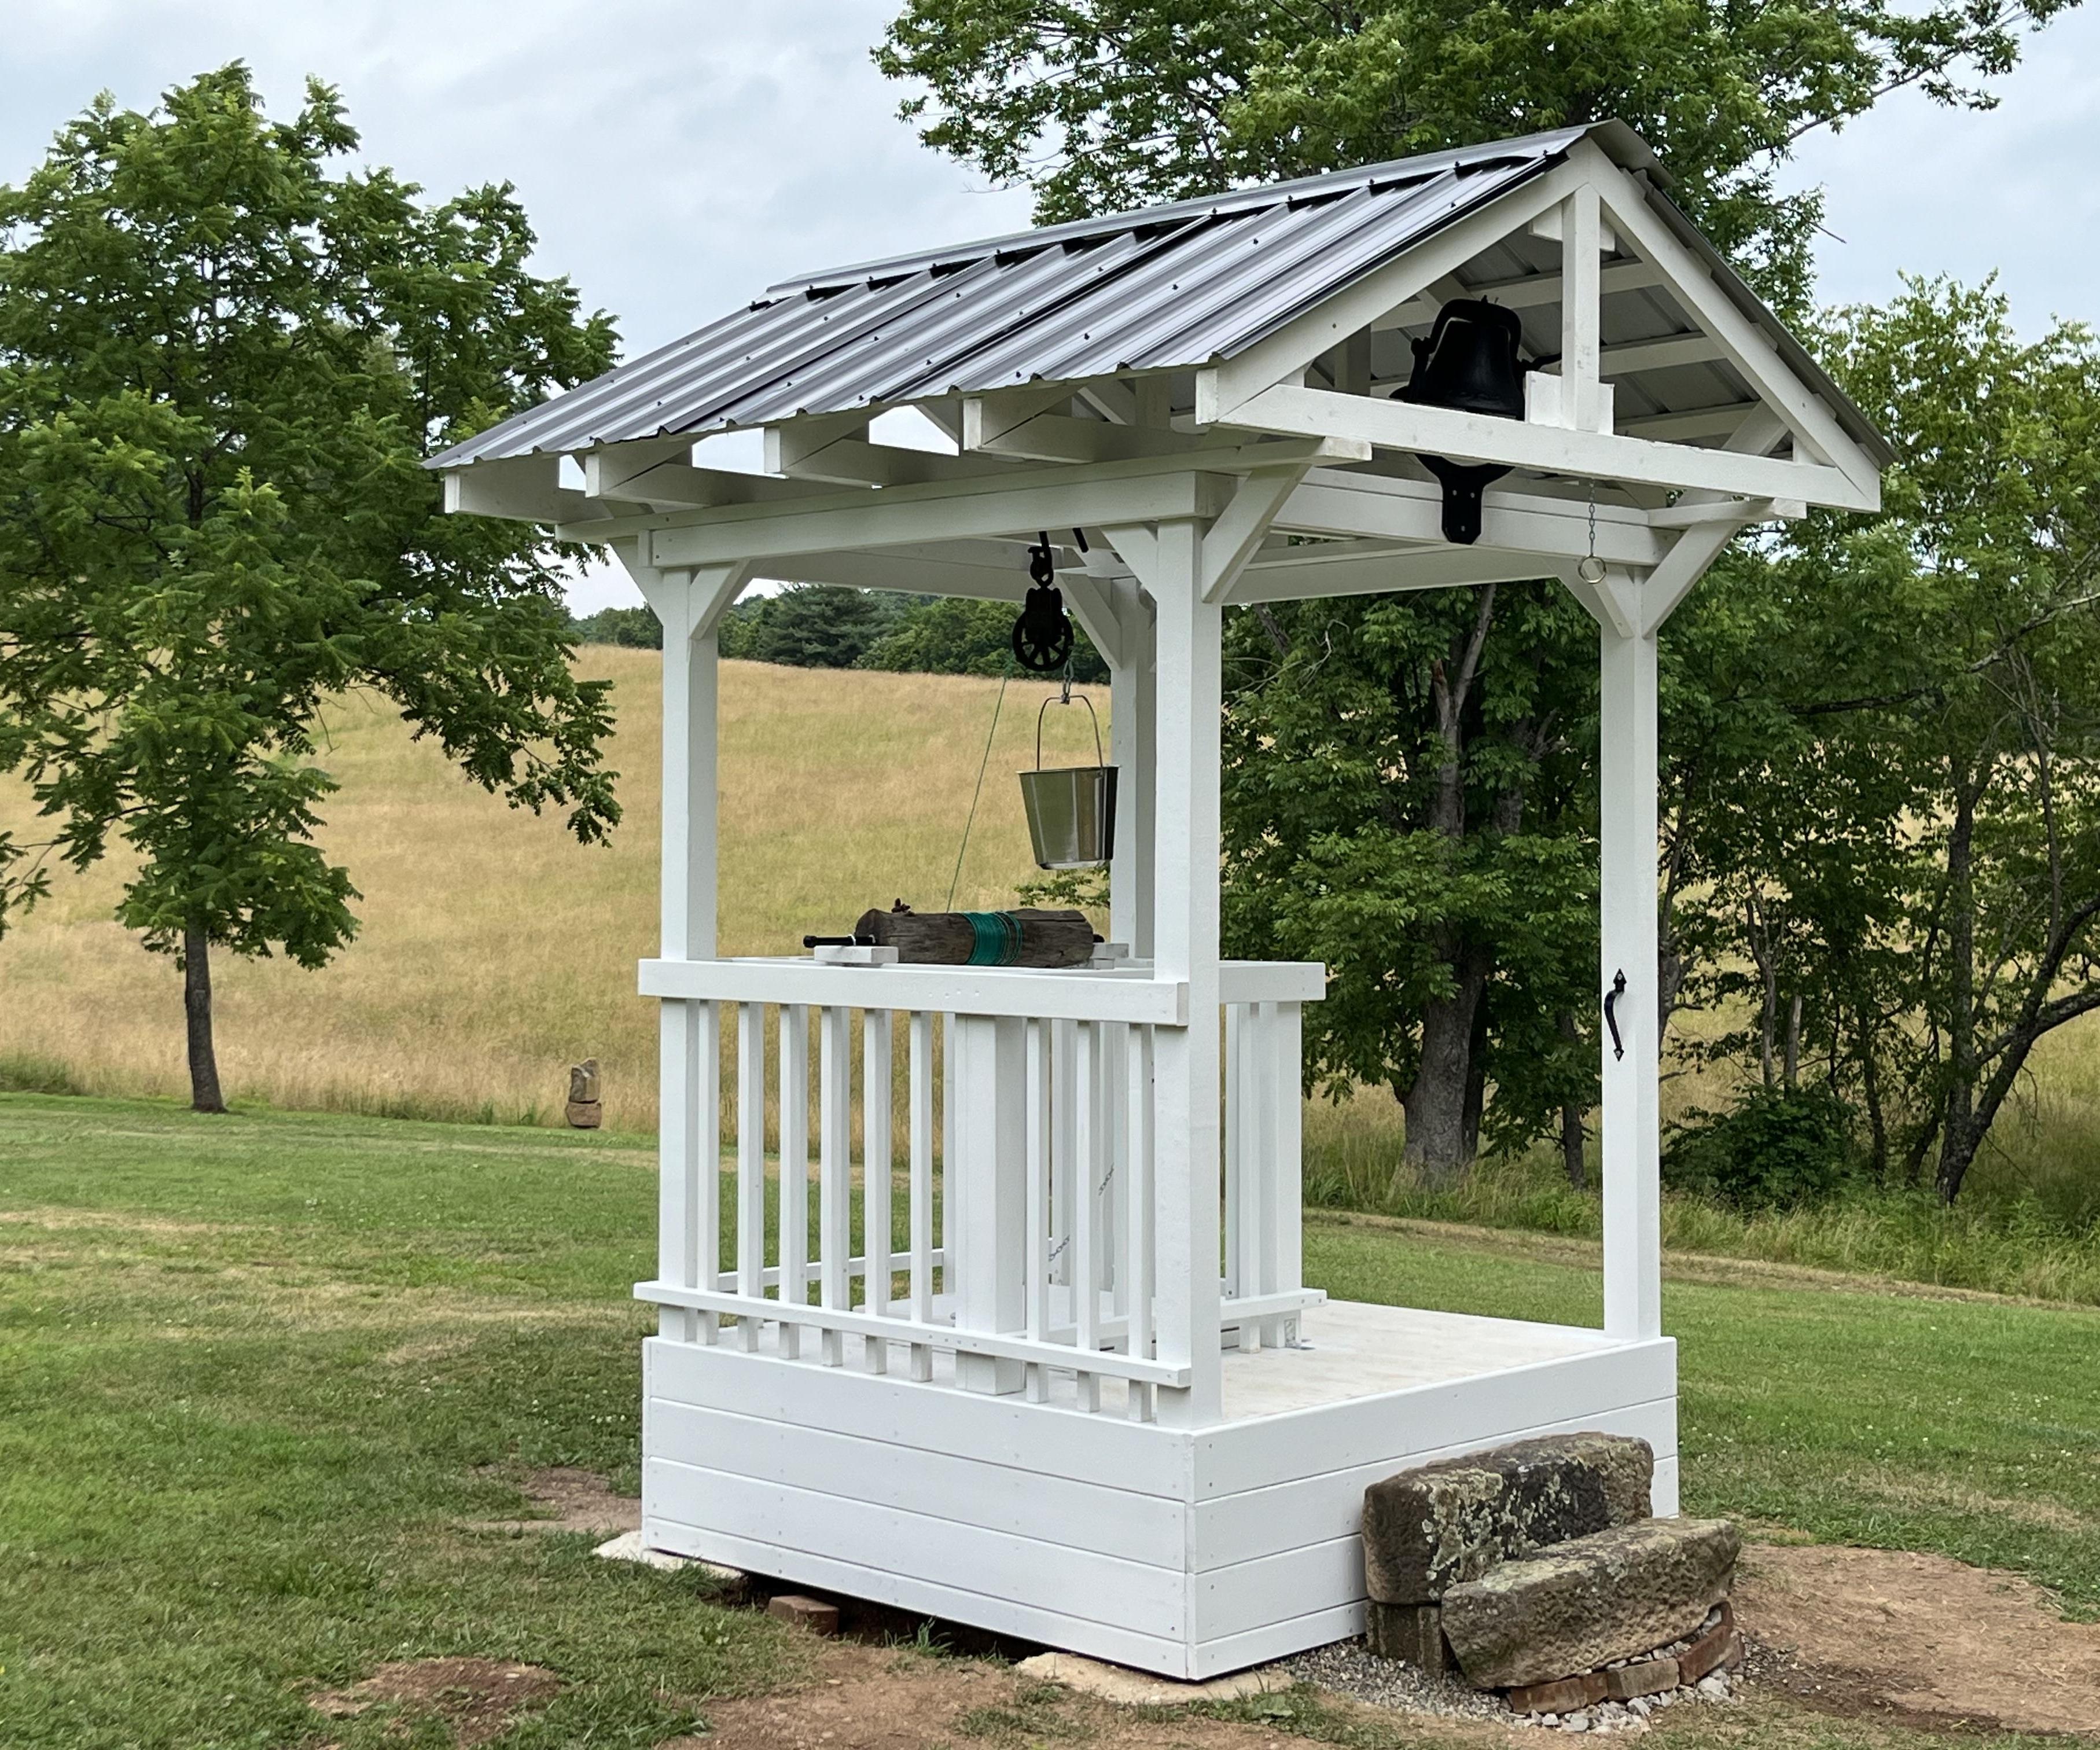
[{"x": 1611, "y": 998}]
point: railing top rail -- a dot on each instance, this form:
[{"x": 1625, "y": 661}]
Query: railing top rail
[
  {"x": 1129, "y": 992},
  {"x": 1080, "y": 993}
]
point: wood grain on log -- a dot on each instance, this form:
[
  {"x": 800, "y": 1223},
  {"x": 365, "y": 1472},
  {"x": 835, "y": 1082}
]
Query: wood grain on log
[{"x": 1049, "y": 939}]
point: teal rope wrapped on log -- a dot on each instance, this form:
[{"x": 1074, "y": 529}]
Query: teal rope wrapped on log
[{"x": 995, "y": 938}]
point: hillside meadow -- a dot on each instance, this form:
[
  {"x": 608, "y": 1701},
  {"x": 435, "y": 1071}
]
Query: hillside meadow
[{"x": 495, "y": 951}]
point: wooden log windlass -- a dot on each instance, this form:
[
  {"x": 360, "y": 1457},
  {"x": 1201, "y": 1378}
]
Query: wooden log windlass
[{"x": 1029, "y": 937}]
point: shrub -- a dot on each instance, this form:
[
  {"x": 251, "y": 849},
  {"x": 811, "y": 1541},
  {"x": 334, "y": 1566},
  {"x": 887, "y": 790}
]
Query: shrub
[
  {"x": 1775, "y": 1148},
  {"x": 954, "y": 635},
  {"x": 635, "y": 627}
]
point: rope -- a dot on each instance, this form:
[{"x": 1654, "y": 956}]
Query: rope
[
  {"x": 995, "y": 938},
  {"x": 954, "y": 880}
]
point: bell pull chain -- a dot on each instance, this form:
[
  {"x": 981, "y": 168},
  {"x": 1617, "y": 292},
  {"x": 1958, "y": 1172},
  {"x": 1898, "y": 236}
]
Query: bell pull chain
[{"x": 1591, "y": 568}]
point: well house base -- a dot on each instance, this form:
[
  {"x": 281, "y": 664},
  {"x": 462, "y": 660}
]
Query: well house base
[{"x": 1185, "y": 1552}]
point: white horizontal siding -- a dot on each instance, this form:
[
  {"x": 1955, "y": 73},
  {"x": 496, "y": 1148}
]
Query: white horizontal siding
[
  {"x": 1147, "y": 1601},
  {"x": 1329, "y": 1504},
  {"x": 910, "y": 1590},
  {"x": 1142, "y": 1458},
  {"x": 1143, "y": 1528}
]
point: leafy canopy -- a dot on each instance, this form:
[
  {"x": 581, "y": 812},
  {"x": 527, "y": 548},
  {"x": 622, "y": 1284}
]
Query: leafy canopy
[
  {"x": 1105, "y": 105},
  {"x": 221, "y": 368}
]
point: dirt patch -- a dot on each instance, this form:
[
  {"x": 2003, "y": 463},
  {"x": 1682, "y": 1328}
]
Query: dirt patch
[
  {"x": 477, "y": 1697},
  {"x": 1917, "y": 1639},
  {"x": 877, "y": 1698},
  {"x": 569, "y": 1500}
]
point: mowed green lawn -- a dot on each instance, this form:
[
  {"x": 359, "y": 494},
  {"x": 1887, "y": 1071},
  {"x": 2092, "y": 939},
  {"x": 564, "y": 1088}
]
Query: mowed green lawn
[{"x": 259, "y": 1375}]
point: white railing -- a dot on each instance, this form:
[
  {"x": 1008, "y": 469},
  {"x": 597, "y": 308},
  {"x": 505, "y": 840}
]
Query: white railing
[{"x": 1030, "y": 1259}]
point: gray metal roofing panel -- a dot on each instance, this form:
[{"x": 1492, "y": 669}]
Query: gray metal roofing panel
[
  {"x": 1166, "y": 287},
  {"x": 1162, "y": 288}
]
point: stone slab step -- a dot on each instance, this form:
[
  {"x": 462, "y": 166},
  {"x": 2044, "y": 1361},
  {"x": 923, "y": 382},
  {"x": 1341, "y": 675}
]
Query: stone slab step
[
  {"x": 1432, "y": 1528},
  {"x": 1581, "y": 1604}
]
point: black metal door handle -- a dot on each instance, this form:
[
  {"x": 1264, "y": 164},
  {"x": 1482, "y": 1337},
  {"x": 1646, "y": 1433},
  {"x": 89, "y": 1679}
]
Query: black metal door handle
[{"x": 1611, "y": 998}]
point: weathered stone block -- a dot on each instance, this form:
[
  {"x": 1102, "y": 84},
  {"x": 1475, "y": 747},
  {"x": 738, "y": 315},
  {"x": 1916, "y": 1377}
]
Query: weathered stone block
[
  {"x": 1562, "y": 1696},
  {"x": 1581, "y": 1604},
  {"x": 1412, "y": 1632},
  {"x": 1427, "y": 1530},
  {"x": 812, "y": 1614},
  {"x": 1643, "y": 1676}
]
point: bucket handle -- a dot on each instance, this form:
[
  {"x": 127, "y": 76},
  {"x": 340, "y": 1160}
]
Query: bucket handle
[{"x": 1098, "y": 760}]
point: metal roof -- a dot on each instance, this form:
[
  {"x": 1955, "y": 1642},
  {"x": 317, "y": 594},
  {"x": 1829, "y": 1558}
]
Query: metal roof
[{"x": 1162, "y": 288}]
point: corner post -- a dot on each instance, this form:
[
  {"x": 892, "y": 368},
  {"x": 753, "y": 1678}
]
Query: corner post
[
  {"x": 1628, "y": 916},
  {"x": 1186, "y": 838},
  {"x": 689, "y": 1035}
]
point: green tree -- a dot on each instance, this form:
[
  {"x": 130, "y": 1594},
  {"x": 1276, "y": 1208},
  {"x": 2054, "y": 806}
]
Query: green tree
[
  {"x": 955, "y": 635},
  {"x": 221, "y": 368},
  {"x": 1102, "y": 104},
  {"x": 1404, "y": 799},
  {"x": 634, "y": 627},
  {"x": 1907, "y": 868},
  {"x": 816, "y": 626}
]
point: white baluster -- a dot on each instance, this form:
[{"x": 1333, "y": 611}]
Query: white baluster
[
  {"x": 794, "y": 1168},
  {"x": 1038, "y": 1257},
  {"x": 920, "y": 1212},
  {"x": 1235, "y": 1143},
  {"x": 1063, "y": 1174},
  {"x": 1086, "y": 1231},
  {"x": 750, "y": 1161},
  {"x": 874, "y": 1071},
  {"x": 1137, "y": 1207},
  {"x": 834, "y": 1170},
  {"x": 1286, "y": 1183}
]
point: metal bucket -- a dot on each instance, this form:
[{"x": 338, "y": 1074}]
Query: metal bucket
[{"x": 1071, "y": 809}]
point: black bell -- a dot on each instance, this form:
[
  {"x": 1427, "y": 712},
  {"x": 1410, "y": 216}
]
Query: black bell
[{"x": 1469, "y": 362}]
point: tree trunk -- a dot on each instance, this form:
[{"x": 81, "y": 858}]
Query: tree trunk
[
  {"x": 1794, "y": 1044},
  {"x": 204, "y": 1096},
  {"x": 1571, "y": 1120},
  {"x": 1958, "y": 1133},
  {"x": 1436, "y": 1104},
  {"x": 1870, "y": 1087}
]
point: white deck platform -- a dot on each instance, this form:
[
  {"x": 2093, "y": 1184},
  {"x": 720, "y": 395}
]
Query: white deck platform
[{"x": 1186, "y": 1552}]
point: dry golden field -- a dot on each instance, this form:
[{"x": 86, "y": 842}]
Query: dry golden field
[{"x": 495, "y": 951}]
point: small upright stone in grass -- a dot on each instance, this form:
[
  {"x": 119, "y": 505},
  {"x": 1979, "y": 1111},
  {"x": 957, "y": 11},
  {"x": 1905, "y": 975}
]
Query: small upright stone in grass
[
  {"x": 812, "y": 1614},
  {"x": 585, "y": 1112}
]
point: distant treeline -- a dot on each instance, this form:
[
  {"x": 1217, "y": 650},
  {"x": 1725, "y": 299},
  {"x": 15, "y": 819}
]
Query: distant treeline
[{"x": 822, "y": 626}]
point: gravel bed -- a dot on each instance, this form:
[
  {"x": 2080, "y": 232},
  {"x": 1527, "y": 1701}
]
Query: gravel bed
[{"x": 1348, "y": 1668}]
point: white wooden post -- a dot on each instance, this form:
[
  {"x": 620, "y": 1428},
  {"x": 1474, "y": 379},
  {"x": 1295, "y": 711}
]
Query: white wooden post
[
  {"x": 686, "y": 926},
  {"x": 989, "y": 1064},
  {"x": 1631, "y": 1129},
  {"x": 1132, "y": 690},
  {"x": 1582, "y": 290},
  {"x": 689, "y": 1044},
  {"x": 1184, "y": 946}
]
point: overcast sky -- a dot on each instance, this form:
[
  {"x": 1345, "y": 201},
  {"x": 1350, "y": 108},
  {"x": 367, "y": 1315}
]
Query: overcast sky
[{"x": 676, "y": 158}]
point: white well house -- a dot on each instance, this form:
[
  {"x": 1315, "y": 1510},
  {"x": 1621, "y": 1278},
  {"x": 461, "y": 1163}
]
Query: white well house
[{"x": 1047, "y": 1364}]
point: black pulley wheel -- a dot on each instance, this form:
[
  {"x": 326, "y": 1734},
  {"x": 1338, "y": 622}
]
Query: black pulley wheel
[{"x": 1042, "y": 632}]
